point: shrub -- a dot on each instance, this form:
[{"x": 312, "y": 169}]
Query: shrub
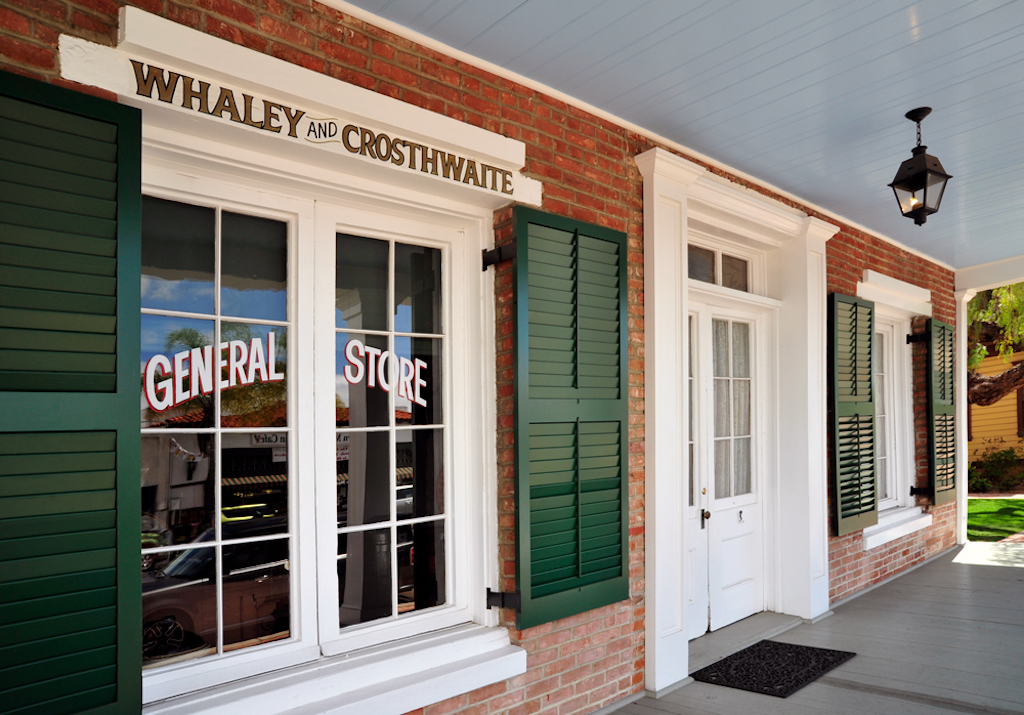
[{"x": 997, "y": 468}]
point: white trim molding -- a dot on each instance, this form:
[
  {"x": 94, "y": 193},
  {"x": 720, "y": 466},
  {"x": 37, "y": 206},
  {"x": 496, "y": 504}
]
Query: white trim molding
[
  {"x": 906, "y": 297},
  {"x": 991, "y": 275},
  {"x": 963, "y": 297},
  {"x": 667, "y": 178},
  {"x": 680, "y": 196},
  {"x": 432, "y": 668},
  {"x": 894, "y": 524}
]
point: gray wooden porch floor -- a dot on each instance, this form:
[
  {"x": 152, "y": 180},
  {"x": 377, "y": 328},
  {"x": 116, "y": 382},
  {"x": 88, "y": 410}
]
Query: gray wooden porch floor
[{"x": 947, "y": 637}]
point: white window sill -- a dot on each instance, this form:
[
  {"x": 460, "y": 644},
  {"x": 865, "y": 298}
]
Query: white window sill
[
  {"x": 393, "y": 678},
  {"x": 895, "y": 523}
]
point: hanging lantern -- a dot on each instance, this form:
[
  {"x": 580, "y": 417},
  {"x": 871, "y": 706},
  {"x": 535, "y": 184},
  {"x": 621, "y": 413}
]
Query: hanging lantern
[{"x": 920, "y": 180}]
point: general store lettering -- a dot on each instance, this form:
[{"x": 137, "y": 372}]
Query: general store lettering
[
  {"x": 244, "y": 362},
  {"x": 371, "y": 363}
]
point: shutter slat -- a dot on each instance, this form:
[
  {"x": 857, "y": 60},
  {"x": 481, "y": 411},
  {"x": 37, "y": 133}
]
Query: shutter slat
[
  {"x": 56, "y": 160},
  {"x": 48, "y": 259}
]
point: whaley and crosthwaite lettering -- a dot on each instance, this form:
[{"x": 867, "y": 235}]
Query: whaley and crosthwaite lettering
[{"x": 224, "y": 103}]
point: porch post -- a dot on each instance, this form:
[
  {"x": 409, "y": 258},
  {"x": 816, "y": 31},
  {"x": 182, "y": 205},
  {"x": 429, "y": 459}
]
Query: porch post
[
  {"x": 666, "y": 178},
  {"x": 798, "y": 274},
  {"x": 963, "y": 297}
]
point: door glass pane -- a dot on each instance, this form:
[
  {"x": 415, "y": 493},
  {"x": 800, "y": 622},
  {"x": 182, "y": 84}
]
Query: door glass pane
[
  {"x": 741, "y": 465},
  {"x": 722, "y": 408},
  {"x": 254, "y": 387},
  {"x": 419, "y": 470},
  {"x": 741, "y": 407},
  {"x": 364, "y": 576},
  {"x": 418, "y": 378},
  {"x": 179, "y": 606},
  {"x": 740, "y": 350},
  {"x": 723, "y": 469},
  {"x": 364, "y": 478},
  {"x": 734, "y": 273},
  {"x": 690, "y": 387},
  {"x": 177, "y": 491},
  {"x": 254, "y": 484},
  {"x": 720, "y": 347},
  {"x": 361, "y": 363},
  {"x": 361, "y": 283},
  {"x": 256, "y": 597},
  {"x": 701, "y": 264},
  {"x": 177, "y": 255},
  {"x": 417, "y": 289},
  {"x": 254, "y": 267},
  {"x": 420, "y": 566},
  {"x": 177, "y": 374}
]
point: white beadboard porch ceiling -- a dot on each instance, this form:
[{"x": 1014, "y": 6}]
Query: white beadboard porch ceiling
[{"x": 807, "y": 95}]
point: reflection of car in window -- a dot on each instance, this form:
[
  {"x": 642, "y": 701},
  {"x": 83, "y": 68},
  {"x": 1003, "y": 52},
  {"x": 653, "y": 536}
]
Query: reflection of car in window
[{"x": 179, "y": 602}]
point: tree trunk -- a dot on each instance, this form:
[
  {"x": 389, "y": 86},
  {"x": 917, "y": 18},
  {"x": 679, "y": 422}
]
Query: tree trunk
[{"x": 989, "y": 389}]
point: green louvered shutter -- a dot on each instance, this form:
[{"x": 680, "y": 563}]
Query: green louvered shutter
[
  {"x": 941, "y": 411},
  {"x": 571, "y": 415},
  {"x": 70, "y": 585},
  {"x": 852, "y": 407}
]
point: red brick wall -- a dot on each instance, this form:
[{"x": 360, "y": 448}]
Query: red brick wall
[
  {"x": 851, "y": 568},
  {"x": 582, "y": 663}
]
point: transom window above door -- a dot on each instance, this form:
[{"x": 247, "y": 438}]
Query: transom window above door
[{"x": 718, "y": 267}]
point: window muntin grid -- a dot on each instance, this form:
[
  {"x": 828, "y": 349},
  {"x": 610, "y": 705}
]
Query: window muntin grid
[
  {"x": 733, "y": 390},
  {"x": 216, "y": 478},
  {"x": 392, "y": 516}
]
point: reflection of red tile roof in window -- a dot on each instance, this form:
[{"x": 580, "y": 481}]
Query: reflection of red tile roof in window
[{"x": 274, "y": 416}]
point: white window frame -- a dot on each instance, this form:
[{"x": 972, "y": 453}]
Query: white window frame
[
  {"x": 176, "y": 678},
  {"x": 896, "y": 303},
  {"x": 457, "y": 411},
  {"x": 358, "y": 663}
]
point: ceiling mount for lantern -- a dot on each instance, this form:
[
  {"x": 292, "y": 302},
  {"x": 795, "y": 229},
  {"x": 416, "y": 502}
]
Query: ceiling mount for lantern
[{"x": 920, "y": 180}]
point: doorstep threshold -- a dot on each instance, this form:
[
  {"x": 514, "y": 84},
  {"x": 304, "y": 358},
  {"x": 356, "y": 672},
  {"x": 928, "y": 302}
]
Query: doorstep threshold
[{"x": 712, "y": 647}]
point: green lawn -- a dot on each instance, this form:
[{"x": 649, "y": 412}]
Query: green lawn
[{"x": 994, "y": 519}]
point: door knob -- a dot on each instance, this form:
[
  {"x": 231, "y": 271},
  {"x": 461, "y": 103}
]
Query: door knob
[{"x": 706, "y": 514}]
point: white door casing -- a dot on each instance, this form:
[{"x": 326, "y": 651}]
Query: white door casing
[{"x": 681, "y": 196}]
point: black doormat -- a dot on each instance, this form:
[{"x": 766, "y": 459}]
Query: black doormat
[{"x": 772, "y": 668}]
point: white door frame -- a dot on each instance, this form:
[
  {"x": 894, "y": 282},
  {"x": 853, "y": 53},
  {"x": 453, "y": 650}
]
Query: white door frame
[
  {"x": 679, "y": 194},
  {"x": 709, "y": 303}
]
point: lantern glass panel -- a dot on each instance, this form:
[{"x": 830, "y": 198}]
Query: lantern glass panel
[
  {"x": 936, "y": 185},
  {"x": 909, "y": 200}
]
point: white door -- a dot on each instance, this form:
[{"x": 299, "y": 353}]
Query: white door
[{"x": 724, "y": 555}]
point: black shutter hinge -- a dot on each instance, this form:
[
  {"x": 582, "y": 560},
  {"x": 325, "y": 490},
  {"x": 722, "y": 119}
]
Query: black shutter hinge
[
  {"x": 917, "y": 337},
  {"x": 513, "y": 600},
  {"x": 499, "y": 254},
  {"x": 920, "y": 492}
]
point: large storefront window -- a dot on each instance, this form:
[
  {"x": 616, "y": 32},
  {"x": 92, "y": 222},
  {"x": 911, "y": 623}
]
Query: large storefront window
[
  {"x": 215, "y": 431},
  {"x": 220, "y": 421},
  {"x": 390, "y": 433}
]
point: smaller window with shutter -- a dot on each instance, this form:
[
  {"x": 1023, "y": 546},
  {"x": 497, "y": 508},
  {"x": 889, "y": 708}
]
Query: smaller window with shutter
[
  {"x": 941, "y": 411},
  {"x": 852, "y": 412}
]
